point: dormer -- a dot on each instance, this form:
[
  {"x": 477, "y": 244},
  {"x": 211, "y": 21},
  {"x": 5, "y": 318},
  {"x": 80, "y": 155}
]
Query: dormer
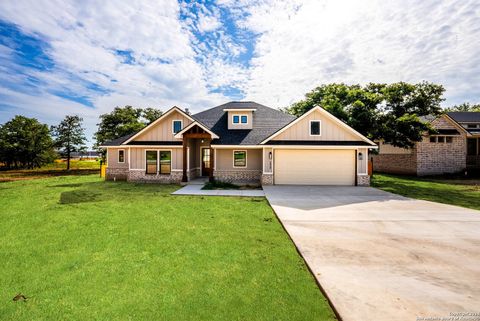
[{"x": 240, "y": 118}]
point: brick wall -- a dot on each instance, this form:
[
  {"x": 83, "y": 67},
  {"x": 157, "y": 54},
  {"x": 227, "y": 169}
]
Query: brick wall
[
  {"x": 441, "y": 158},
  {"x": 238, "y": 176},
  {"x": 396, "y": 163}
]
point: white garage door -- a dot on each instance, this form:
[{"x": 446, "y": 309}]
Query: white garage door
[{"x": 314, "y": 167}]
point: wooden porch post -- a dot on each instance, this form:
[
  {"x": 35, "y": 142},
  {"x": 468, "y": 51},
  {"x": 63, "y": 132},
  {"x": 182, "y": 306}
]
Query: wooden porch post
[
  {"x": 184, "y": 176},
  {"x": 212, "y": 164}
]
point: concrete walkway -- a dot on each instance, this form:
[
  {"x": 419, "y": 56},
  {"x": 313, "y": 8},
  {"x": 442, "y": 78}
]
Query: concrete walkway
[
  {"x": 197, "y": 190},
  {"x": 380, "y": 256}
]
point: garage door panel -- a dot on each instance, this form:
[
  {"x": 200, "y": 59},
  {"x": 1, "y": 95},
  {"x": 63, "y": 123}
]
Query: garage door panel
[{"x": 314, "y": 167}]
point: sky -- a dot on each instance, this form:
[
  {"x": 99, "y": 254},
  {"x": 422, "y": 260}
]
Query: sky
[{"x": 70, "y": 57}]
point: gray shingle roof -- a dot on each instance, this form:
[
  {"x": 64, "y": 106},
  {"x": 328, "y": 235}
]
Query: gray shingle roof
[
  {"x": 266, "y": 121},
  {"x": 465, "y": 116},
  {"x": 118, "y": 141}
]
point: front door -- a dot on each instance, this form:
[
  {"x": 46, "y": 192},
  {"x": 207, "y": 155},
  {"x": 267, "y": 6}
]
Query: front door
[{"x": 205, "y": 161}]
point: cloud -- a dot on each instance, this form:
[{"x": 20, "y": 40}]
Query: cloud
[{"x": 208, "y": 23}]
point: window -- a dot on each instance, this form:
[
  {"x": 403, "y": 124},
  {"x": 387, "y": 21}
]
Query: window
[
  {"x": 121, "y": 156},
  {"x": 151, "y": 157},
  {"x": 472, "y": 126},
  {"x": 441, "y": 139},
  {"x": 165, "y": 162},
  {"x": 176, "y": 126},
  {"x": 433, "y": 139},
  {"x": 239, "y": 158},
  {"x": 471, "y": 146},
  {"x": 448, "y": 139},
  {"x": 314, "y": 128},
  {"x": 244, "y": 119},
  {"x": 236, "y": 119}
]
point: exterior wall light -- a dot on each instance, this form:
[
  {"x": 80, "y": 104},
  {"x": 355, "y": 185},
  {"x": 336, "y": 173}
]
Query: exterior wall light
[{"x": 360, "y": 156}]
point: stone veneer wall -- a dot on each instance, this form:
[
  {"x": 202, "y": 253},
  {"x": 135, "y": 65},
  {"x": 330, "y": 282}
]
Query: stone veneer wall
[
  {"x": 396, "y": 163},
  {"x": 363, "y": 180},
  {"x": 232, "y": 176},
  {"x": 441, "y": 158},
  {"x": 267, "y": 179},
  {"x": 142, "y": 177},
  {"x": 117, "y": 174}
]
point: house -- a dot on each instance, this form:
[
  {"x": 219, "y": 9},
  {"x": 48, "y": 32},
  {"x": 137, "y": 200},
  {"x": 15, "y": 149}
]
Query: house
[
  {"x": 454, "y": 148},
  {"x": 243, "y": 142}
]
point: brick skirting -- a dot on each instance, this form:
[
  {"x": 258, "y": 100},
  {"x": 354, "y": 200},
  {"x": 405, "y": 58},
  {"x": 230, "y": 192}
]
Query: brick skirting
[
  {"x": 238, "y": 176},
  {"x": 142, "y": 177},
  {"x": 267, "y": 179},
  {"x": 363, "y": 180}
]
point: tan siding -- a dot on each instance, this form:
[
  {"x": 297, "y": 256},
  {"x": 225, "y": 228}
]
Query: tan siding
[
  {"x": 268, "y": 163},
  {"x": 224, "y": 159},
  {"x": 329, "y": 130},
  {"x": 362, "y": 164},
  {"x": 138, "y": 157},
  {"x": 112, "y": 157},
  {"x": 162, "y": 131},
  {"x": 231, "y": 125}
]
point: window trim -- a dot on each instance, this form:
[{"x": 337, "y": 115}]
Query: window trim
[
  {"x": 118, "y": 156},
  {"x": 173, "y": 125},
  {"x": 146, "y": 164},
  {"x": 319, "y": 127},
  {"x": 233, "y": 119},
  {"x": 246, "y": 158},
  {"x": 243, "y": 123}
]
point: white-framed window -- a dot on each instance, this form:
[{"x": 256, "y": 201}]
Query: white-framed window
[
  {"x": 244, "y": 119},
  {"x": 239, "y": 158},
  {"x": 177, "y": 126},
  {"x": 121, "y": 156},
  {"x": 236, "y": 119},
  {"x": 315, "y": 128}
]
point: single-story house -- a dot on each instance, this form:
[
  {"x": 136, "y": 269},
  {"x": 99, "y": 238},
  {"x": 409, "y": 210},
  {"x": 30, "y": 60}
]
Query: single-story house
[
  {"x": 454, "y": 148},
  {"x": 242, "y": 142}
]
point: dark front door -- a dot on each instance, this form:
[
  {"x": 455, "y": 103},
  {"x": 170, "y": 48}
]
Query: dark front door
[{"x": 205, "y": 161}]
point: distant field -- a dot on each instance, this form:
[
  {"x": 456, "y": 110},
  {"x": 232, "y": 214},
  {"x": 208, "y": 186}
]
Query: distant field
[{"x": 57, "y": 168}]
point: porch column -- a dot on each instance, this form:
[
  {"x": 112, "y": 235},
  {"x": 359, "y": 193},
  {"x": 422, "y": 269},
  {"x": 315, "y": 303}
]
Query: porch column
[
  {"x": 184, "y": 176},
  {"x": 212, "y": 164}
]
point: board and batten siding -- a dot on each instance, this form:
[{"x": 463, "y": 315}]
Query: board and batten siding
[
  {"x": 138, "y": 157},
  {"x": 362, "y": 165},
  {"x": 330, "y": 130},
  {"x": 112, "y": 158},
  {"x": 268, "y": 163},
  {"x": 224, "y": 159},
  {"x": 163, "y": 131}
]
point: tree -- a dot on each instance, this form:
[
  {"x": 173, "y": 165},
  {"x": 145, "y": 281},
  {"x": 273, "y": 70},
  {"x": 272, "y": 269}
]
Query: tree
[
  {"x": 69, "y": 136},
  {"x": 123, "y": 121},
  {"x": 464, "y": 107},
  {"x": 24, "y": 142},
  {"x": 379, "y": 111}
]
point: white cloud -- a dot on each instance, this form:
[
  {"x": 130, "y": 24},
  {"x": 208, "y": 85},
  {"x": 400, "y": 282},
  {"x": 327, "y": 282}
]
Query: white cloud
[
  {"x": 208, "y": 23},
  {"x": 303, "y": 44}
]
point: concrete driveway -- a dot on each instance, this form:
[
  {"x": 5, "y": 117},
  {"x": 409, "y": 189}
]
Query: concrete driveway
[{"x": 380, "y": 256}]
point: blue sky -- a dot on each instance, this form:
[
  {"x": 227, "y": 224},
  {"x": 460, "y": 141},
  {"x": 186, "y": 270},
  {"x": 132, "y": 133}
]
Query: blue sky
[{"x": 85, "y": 58}]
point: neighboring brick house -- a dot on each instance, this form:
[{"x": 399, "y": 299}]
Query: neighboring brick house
[
  {"x": 454, "y": 148},
  {"x": 243, "y": 142}
]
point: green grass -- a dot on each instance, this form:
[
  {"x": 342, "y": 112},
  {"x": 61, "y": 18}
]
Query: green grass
[
  {"x": 459, "y": 192},
  {"x": 84, "y": 249},
  {"x": 57, "y": 168}
]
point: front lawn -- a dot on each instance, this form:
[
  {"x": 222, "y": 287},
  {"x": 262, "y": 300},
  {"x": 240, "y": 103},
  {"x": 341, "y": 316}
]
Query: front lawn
[
  {"x": 459, "y": 192},
  {"x": 83, "y": 249}
]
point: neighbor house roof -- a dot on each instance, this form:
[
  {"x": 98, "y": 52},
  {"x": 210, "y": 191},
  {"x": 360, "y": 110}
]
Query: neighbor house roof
[
  {"x": 267, "y": 121},
  {"x": 118, "y": 141},
  {"x": 465, "y": 116}
]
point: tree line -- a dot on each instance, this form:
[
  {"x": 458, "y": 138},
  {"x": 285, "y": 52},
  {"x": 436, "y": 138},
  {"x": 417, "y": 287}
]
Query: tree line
[
  {"x": 27, "y": 143},
  {"x": 389, "y": 112}
]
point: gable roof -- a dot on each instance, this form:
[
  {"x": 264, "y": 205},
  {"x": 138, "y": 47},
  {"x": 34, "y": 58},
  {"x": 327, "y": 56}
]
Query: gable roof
[
  {"x": 326, "y": 114},
  {"x": 117, "y": 141},
  {"x": 265, "y": 119},
  {"x": 159, "y": 119},
  {"x": 195, "y": 123}
]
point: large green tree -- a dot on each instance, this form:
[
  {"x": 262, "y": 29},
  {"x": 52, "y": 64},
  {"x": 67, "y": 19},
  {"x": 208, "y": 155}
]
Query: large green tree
[
  {"x": 389, "y": 112},
  {"x": 25, "y": 143},
  {"x": 69, "y": 136},
  {"x": 123, "y": 121}
]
